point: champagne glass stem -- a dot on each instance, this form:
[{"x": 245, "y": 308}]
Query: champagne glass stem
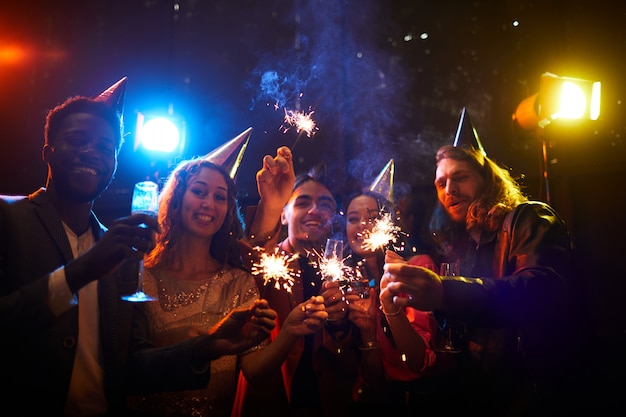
[{"x": 140, "y": 277}]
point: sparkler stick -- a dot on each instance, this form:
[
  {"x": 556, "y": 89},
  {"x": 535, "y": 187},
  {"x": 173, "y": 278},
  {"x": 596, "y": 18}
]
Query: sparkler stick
[{"x": 297, "y": 139}]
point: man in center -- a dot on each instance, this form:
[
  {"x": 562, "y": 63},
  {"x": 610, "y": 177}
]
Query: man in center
[{"x": 311, "y": 363}]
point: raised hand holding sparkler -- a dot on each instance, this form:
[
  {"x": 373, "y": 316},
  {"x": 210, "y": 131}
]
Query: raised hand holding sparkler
[{"x": 275, "y": 181}]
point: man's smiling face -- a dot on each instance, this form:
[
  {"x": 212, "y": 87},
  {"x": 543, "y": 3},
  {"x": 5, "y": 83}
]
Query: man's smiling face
[
  {"x": 83, "y": 156},
  {"x": 458, "y": 184},
  {"x": 309, "y": 214}
]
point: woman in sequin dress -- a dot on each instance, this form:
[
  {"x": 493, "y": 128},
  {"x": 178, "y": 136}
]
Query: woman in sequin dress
[{"x": 197, "y": 274}]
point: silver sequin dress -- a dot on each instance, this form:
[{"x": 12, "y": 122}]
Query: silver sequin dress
[{"x": 182, "y": 307}]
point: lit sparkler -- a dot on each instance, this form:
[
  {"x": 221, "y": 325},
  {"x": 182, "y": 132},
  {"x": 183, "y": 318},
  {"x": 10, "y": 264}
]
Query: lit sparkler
[
  {"x": 382, "y": 233},
  {"x": 275, "y": 266},
  {"x": 333, "y": 268},
  {"x": 302, "y": 121}
]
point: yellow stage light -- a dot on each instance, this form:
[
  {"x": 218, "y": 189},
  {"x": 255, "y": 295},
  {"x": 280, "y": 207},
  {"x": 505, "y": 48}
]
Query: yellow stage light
[{"x": 559, "y": 98}]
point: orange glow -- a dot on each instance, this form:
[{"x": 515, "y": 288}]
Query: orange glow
[
  {"x": 19, "y": 54},
  {"x": 12, "y": 54}
]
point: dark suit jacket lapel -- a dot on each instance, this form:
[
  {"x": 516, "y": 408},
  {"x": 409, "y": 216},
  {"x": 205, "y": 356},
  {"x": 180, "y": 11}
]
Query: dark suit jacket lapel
[{"x": 51, "y": 220}]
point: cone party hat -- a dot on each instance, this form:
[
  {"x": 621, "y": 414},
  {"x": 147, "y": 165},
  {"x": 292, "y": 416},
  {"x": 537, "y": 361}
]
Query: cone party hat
[
  {"x": 466, "y": 135},
  {"x": 114, "y": 96},
  {"x": 383, "y": 184},
  {"x": 230, "y": 154}
]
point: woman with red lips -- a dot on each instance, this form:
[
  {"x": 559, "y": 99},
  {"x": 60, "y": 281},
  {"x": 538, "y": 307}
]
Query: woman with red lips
[
  {"x": 196, "y": 272},
  {"x": 396, "y": 343}
]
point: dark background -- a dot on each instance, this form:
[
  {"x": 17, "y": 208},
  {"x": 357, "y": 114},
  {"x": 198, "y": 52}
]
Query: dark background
[{"x": 377, "y": 89}]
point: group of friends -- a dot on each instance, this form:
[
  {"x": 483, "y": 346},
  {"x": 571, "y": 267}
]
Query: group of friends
[{"x": 220, "y": 341}]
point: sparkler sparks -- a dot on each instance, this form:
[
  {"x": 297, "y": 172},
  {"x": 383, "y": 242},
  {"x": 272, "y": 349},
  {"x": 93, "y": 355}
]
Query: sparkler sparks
[
  {"x": 333, "y": 268},
  {"x": 275, "y": 266},
  {"x": 302, "y": 121},
  {"x": 383, "y": 232}
]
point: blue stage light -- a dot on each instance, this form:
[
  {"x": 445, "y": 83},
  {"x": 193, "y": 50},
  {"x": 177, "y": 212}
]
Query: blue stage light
[{"x": 160, "y": 135}]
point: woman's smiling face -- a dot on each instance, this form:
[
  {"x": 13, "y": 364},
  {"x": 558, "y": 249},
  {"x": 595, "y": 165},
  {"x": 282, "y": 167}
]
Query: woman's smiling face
[
  {"x": 361, "y": 212},
  {"x": 205, "y": 203}
]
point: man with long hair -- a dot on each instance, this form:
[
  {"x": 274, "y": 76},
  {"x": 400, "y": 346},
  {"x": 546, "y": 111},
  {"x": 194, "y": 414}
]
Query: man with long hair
[{"x": 517, "y": 294}]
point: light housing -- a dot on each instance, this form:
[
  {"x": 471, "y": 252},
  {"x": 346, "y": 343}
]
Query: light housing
[{"x": 559, "y": 98}]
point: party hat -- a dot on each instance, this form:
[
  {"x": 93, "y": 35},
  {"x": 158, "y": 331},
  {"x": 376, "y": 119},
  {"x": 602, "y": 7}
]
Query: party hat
[
  {"x": 114, "y": 96},
  {"x": 466, "y": 134},
  {"x": 230, "y": 154},
  {"x": 383, "y": 184}
]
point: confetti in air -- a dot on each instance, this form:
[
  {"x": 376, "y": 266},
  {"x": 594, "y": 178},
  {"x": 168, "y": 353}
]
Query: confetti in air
[{"x": 275, "y": 267}]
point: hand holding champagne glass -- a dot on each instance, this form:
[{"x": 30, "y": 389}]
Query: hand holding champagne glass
[
  {"x": 145, "y": 200},
  {"x": 360, "y": 288}
]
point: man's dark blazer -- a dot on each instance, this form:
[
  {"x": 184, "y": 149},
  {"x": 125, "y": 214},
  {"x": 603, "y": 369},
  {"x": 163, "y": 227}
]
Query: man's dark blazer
[{"x": 38, "y": 348}]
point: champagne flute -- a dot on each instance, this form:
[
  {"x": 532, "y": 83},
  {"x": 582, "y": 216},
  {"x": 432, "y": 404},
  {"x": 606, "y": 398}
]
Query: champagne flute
[
  {"x": 448, "y": 269},
  {"x": 332, "y": 265},
  {"x": 145, "y": 200},
  {"x": 334, "y": 249}
]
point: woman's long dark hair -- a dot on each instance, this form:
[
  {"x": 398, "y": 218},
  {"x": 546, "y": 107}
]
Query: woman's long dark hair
[{"x": 224, "y": 245}]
